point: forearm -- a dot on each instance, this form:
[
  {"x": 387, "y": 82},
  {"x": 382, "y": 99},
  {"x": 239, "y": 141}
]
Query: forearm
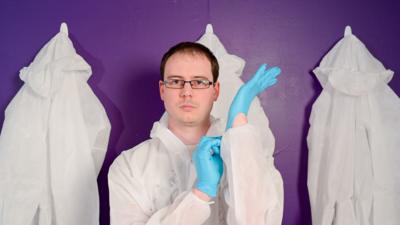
[
  {"x": 187, "y": 208},
  {"x": 130, "y": 203}
]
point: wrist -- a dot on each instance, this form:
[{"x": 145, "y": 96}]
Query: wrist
[
  {"x": 239, "y": 120},
  {"x": 209, "y": 188},
  {"x": 201, "y": 195},
  {"x": 247, "y": 92}
]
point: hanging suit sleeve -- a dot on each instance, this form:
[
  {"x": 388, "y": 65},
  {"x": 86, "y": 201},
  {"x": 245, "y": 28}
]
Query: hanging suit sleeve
[{"x": 97, "y": 125}]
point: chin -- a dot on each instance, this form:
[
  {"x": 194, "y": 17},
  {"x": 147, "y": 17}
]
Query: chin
[
  {"x": 189, "y": 120},
  {"x": 196, "y": 121}
]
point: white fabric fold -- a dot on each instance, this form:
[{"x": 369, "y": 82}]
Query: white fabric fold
[
  {"x": 152, "y": 183},
  {"x": 353, "y": 140},
  {"x": 53, "y": 142}
]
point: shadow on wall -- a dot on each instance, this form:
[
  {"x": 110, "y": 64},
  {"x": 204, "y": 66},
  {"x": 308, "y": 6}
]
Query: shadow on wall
[
  {"x": 16, "y": 85},
  {"x": 305, "y": 211},
  {"x": 141, "y": 102},
  {"x": 142, "y": 107}
]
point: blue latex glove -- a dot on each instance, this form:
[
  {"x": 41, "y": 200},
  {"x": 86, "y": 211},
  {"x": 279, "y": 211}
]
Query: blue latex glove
[
  {"x": 260, "y": 81},
  {"x": 209, "y": 165}
]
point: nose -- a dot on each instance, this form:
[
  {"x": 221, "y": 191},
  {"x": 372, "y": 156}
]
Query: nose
[{"x": 186, "y": 90}]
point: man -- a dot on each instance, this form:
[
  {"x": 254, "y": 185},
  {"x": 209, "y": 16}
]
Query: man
[{"x": 187, "y": 173}]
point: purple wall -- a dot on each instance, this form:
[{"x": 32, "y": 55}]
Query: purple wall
[{"x": 123, "y": 41}]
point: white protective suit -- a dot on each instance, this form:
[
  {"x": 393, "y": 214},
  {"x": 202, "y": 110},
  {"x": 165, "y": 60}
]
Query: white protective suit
[
  {"x": 230, "y": 70},
  {"x": 151, "y": 184},
  {"x": 53, "y": 142},
  {"x": 354, "y": 140}
]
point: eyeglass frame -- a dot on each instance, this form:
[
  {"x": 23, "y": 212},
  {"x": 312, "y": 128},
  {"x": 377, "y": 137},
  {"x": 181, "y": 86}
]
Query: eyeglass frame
[{"x": 190, "y": 82}]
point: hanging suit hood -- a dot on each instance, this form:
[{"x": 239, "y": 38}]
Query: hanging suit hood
[
  {"x": 53, "y": 142},
  {"x": 350, "y": 68},
  {"x": 56, "y": 60},
  {"x": 353, "y": 140}
]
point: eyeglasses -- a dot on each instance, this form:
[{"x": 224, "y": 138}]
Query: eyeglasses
[{"x": 195, "y": 84}]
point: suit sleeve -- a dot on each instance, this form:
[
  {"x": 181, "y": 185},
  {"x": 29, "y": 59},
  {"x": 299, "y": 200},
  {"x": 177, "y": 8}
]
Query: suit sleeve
[{"x": 254, "y": 193}]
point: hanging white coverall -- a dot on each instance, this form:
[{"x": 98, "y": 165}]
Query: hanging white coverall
[
  {"x": 230, "y": 70},
  {"x": 354, "y": 140},
  {"x": 53, "y": 142},
  {"x": 151, "y": 184}
]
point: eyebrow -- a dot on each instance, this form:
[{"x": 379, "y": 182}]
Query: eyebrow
[
  {"x": 181, "y": 77},
  {"x": 173, "y": 77},
  {"x": 201, "y": 77}
]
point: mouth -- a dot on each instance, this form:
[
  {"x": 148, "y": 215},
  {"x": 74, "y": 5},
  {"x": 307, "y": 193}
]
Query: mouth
[{"x": 187, "y": 107}]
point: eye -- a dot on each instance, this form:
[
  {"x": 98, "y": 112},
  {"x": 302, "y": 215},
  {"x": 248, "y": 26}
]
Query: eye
[
  {"x": 199, "y": 82},
  {"x": 175, "y": 81}
]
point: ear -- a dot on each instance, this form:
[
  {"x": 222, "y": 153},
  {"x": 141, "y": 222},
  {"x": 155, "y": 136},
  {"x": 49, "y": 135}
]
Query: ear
[
  {"x": 216, "y": 91},
  {"x": 161, "y": 87}
]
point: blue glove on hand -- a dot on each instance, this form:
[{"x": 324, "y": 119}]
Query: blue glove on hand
[
  {"x": 209, "y": 165},
  {"x": 260, "y": 81}
]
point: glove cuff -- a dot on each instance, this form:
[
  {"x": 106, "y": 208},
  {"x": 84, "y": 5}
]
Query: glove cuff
[{"x": 207, "y": 189}]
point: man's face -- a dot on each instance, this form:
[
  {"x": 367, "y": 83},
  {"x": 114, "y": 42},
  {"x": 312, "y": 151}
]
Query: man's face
[{"x": 187, "y": 106}]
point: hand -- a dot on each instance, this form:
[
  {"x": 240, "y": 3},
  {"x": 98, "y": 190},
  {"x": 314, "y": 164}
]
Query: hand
[
  {"x": 260, "y": 81},
  {"x": 209, "y": 165}
]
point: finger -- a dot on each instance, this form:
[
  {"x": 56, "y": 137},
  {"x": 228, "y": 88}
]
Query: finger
[
  {"x": 212, "y": 139},
  {"x": 207, "y": 138},
  {"x": 207, "y": 143},
  {"x": 269, "y": 83},
  {"x": 215, "y": 137},
  {"x": 273, "y": 82},
  {"x": 261, "y": 70},
  {"x": 213, "y": 143},
  {"x": 216, "y": 149},
  {"x": 273, "y": 72},
  {"x": 215, "y": 146}
]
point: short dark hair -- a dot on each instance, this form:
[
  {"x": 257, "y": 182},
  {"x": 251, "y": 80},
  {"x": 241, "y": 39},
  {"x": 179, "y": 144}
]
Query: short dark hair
[{"x": 191, "y": 47}]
